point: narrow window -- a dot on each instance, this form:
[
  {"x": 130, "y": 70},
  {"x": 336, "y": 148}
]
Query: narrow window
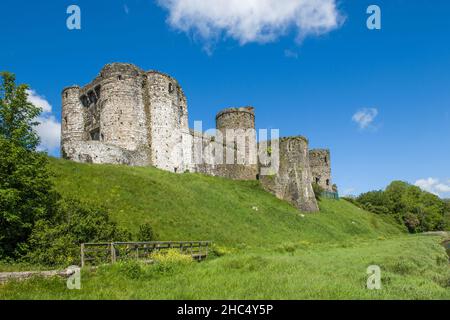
[
  {"x": 65, "y": 123},
  {"x": 328, "y": 182},
  {"x": 85, "y": 101},
  {"x": 317, "y": 180},
  {"x": 95, "y": 135},
  {"x": 119, "y": 77},
  {"x": 170, "y": 87},
  {"x": 97, "y": 91},
  {"x": 92, "y": 97}
]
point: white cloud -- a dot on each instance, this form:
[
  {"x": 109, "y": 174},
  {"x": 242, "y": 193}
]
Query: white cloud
[
  {"x": 39, "y": 101},
  {"x": 49, "y": 128},
  {"x": 246, "y": 21},
  {"x": 434, "y": 186},
  {"x": 365, "y": 117}
]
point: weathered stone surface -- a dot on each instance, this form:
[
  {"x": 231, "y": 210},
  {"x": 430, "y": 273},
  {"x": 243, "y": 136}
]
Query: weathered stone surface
[
  {"x": 320, "y": 163},
  {"x": 293, "y": 180},
  {"x": 132, "y": 117}
]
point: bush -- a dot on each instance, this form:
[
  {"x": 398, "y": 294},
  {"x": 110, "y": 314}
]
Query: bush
[
  {"x": 318, "y": 190},
  {"x": 417, "y": 210},
  {"x": 56, "y": 241},
  {"x": 219, "y": 251},
  {"x": 145, "y": 233},
  {"x": 166, "y": 262},
  {"x": 131, "y": 269}
]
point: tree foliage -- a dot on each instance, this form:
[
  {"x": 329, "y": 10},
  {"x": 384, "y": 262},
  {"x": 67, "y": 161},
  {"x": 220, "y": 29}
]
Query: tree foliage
[
  {"x": 318, "y": 190},
  {"x": 35, "y": 222},
  {"x": 418, "y": 210},
  {"x": 17, "y": 114},
  {"x": 26, "y": 193},
  {"x": 56, "y": 241},
  {"x": 146, "y": 233}
]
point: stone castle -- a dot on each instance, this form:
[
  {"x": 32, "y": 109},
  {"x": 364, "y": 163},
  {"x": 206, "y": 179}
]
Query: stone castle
[{"x": 132, "y": 117}]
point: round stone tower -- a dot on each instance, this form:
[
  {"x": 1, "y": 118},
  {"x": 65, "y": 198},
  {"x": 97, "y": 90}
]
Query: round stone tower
[
  {"x": 237, "y": 128},
  {"x": 320, "y": 163},
  {"x": 72, "y": 126},
  {"x": 168, "y": 119},
  {"x": 236, "y": 118},
  {"x": 120, "y": 102},
  {"x": 293, "y": 180}
]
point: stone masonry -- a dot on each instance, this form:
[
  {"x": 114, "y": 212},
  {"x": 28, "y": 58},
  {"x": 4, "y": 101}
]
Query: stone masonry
[{"x": 133, "y": 117}]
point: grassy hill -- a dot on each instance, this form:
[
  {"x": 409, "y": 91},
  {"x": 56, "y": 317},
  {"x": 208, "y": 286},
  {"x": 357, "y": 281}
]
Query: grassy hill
[
  {"x": 197, "y": 207},
  {"x": 273, "y": 251}
]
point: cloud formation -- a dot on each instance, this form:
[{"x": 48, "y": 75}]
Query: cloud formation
[
  {"x": 49, "y": 128},
  {"x": 434, "y": 186},
  {"x": 365, "y": 117},
  {"x": 246, "y": 21}
]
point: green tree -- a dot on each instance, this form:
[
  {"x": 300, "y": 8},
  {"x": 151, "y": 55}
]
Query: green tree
[
  {"x": 26, "y": 194},
  {"x": 416, "y": 209},
  {"x": 17, "y": 115}
]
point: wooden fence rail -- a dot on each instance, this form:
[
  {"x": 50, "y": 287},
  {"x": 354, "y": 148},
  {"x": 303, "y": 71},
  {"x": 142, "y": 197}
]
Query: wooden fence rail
[{"x": 95, "y": 253}]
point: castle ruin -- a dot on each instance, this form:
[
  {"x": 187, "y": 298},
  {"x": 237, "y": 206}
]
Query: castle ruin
[{"x": 137, "y": 118}]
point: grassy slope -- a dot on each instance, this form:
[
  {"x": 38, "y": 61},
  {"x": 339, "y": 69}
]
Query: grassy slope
[
  {"x": 412, "y": 268},
  {"x": 197, "y": 207},
  {"x": 332, "y": 249}
]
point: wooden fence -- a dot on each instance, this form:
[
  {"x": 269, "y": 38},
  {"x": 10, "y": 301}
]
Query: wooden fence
[{"x": 100, "y": 253}]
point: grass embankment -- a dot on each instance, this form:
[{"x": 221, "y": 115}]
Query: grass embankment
[
  {"x": 198, "y": 207},
  {"x": 274, "y": 252}
]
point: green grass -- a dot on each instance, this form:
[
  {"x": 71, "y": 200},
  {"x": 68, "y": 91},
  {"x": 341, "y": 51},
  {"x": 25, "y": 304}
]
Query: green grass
[
  {"x": 197, "y": 207},
  {"x": 275, "y": 252},
  {"x": 412, "y": 268}
]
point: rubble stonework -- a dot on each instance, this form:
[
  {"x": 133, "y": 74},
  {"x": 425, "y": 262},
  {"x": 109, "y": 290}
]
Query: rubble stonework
[
  {"x": 293, "y": 181},
  {"x": 132, "y": 117},
  {"x": 319, "y": 160}
]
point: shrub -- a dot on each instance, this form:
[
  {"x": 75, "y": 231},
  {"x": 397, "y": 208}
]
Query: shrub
[
  {"x": 56, "y": 241},
  {"x": 219, "y": 251},
  {"x": 145, "y": 233},
  {"x": 166, "y": 262},
  {"x": 131, "y": 269},
  {"x": 318, "y": 190}
]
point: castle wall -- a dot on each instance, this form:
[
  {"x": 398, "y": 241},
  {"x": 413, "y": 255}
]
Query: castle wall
[
  {"x": 168, "y": 121},
  {"x": 293, "y": 180},
  {"x": 101, "y": 153},
  {"x": 72, "y": 126},
  {"x": 131, "y": 117},
  {"x": 320, "y": 163},
  {"x": 244, "y": 160},
  {"x": 121, "y": 104}
]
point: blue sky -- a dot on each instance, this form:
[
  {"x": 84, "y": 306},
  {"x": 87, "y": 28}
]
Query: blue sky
[{"x": 313, "y": 86}]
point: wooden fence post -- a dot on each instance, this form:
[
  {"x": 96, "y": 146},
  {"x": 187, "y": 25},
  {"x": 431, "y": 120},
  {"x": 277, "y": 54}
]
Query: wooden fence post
[
  {"x": 82, "y": 255},
  {"x": 113, "y": 253}
]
